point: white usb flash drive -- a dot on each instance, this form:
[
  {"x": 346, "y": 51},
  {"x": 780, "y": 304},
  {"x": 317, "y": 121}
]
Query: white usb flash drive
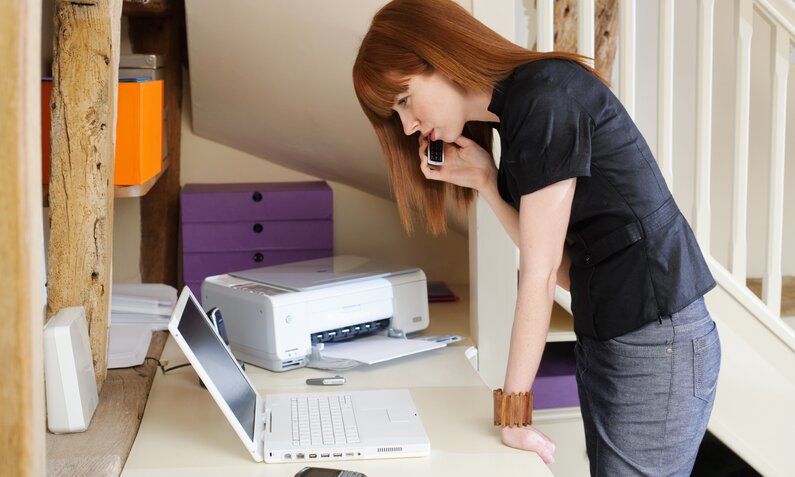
[{"x": 333, "y": 381}]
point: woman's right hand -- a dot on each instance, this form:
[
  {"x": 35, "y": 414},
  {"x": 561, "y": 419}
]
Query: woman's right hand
[
  {"x": 531, "y": 439},
  {"x": 466, "y": 164}
]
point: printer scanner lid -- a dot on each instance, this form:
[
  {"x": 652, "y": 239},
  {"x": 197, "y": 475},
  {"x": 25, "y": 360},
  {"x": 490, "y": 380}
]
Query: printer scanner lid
[{"x": 321, "y": 273}]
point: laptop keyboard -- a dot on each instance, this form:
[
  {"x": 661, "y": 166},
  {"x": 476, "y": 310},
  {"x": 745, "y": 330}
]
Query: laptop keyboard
[{"x": 323, "y": 419}]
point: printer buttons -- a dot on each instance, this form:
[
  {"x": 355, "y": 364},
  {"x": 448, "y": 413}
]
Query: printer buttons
[{"x": 288, "y": 319}]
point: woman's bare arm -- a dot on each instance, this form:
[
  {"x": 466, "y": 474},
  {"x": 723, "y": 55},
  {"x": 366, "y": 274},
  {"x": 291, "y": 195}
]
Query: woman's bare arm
[{"x": 543, "y": 221}]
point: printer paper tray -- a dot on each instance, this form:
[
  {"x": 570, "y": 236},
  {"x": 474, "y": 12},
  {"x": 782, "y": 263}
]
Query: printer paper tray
[{"x": 378, "y": 348}]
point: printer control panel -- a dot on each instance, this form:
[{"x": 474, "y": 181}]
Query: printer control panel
[{"x": 259, "y": 289}]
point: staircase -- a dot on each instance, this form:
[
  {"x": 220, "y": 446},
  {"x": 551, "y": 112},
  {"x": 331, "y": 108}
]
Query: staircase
[{"x": 739, "y": 145}]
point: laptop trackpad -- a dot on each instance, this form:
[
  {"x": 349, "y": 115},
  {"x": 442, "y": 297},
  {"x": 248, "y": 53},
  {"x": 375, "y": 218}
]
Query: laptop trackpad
[
  {"x": 385, "y": 416},
  {"x": 398, "y": 415}
]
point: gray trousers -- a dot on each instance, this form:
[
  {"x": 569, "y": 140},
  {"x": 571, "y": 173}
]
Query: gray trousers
[{"x": 646, "y": 396}]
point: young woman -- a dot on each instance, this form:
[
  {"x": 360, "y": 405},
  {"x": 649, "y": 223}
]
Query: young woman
[{"x": 579, "y": 192}]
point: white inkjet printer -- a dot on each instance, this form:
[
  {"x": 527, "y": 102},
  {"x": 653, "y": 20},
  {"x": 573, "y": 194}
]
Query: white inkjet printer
[{"x": 274, "y": 315}]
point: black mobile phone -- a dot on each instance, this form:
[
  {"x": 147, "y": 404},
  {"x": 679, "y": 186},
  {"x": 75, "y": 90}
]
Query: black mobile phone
[
  {"x": 435, "y": 153},
  {"x": 218, "y": 322},
  {"x": 321, "y": 472}
]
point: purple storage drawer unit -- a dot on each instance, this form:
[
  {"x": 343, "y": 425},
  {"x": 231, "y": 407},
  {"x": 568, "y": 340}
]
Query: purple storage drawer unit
[
  {"x": 555, "y": 385},
  {"x": 198, "y": 266},
  {"x": 263, "y": 201},
  {"x": 257, "y": 235},
  {"x": 196, "y": 289},
  {"x": 233, "y": 227}
]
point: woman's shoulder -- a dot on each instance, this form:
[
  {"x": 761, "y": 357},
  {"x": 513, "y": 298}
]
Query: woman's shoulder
[
  {"x": 550, "y": 83},
  {"x": 543, "y": 82},
  {"x": 549, "y": 72}
]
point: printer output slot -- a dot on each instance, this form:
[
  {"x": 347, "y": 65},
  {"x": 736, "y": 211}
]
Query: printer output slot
[
  {"x": 292, "y": 363},
  {"x": 349, "y": 332}
]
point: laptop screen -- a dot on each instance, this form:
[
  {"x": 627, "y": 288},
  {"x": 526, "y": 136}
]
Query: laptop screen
[{"x": 224, "y": 372}]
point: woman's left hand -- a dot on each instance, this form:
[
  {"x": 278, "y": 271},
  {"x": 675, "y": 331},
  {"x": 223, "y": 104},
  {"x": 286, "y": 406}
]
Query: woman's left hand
[
  {"x": 466, "y": 164},
  {"x": 531, "y": 439}
]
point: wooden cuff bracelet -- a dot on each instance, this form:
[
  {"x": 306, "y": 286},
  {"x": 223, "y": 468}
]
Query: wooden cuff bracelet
[{"x": 511, "y": 410}]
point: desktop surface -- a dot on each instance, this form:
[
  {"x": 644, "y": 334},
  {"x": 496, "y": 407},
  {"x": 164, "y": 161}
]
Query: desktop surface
[{"x": 184, "y": 433}]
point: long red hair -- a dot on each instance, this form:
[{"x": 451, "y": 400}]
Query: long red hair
[{"x": 412, "y": 37}]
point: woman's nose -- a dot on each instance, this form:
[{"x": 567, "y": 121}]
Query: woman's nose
[{"x": 410, "y": 124}]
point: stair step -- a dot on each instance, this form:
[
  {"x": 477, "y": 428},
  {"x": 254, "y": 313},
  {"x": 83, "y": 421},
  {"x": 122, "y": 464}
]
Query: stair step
[
  {"x": 787, "y": 293},
  {"x": 752, "y": 413}
]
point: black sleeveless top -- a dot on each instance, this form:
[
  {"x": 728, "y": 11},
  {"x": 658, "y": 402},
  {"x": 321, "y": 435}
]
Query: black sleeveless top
[{"x": 633, "y": 256}]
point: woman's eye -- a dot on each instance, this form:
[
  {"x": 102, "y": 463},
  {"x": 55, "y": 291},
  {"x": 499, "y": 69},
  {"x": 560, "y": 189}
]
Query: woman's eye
[{"x": 402, "y": 101}]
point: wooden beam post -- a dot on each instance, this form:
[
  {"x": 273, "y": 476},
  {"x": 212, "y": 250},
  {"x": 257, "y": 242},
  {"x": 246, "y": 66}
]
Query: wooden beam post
[
  {"x": 85, "y": 75},
  {"x": 605, "y": 29},
  {"x": 163, "y": 34},
  {"x": 21, "y": 235}
]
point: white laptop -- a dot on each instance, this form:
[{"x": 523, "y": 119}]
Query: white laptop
[{"x": 296, "y": 427}]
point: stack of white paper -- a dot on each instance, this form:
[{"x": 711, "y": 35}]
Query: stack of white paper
[
  {"x": 377, "y": 348},
  {"x": 128, "y": 344},
  {"x": 137, "y": 310},
  {"x": 150, "y": 299}
]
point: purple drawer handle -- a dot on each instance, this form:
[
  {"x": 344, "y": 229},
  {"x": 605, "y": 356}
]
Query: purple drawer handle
[
  {"x": 258, "y": 257},
  {"x": 257, "y": 196},
  {"x": 257, "y": 228}
]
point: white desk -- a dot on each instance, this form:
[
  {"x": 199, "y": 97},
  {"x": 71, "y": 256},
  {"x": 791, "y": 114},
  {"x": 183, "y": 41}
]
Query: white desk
[{"x": 183, "y": 433}]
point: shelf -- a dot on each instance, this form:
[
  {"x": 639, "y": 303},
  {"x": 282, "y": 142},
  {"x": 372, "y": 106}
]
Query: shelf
[
  {"x": 120, "y": 192},
  {"x": 140, "y": 190},
  {"x": 561, "y": 326},
  {"x": 103, "y": 448},
  {"x": 446, "y": 319},
  {"x": 148, "y": 8}
]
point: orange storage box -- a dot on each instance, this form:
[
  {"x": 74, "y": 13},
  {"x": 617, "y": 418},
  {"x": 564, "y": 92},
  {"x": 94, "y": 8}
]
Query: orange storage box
[{"x": 139, "y": 131}]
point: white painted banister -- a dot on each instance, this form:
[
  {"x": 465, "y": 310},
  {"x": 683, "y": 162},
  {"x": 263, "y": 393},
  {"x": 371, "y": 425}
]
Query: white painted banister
[
  {"x": 626, "y": 59},
  {"x": 585, "y": 29},
  {"x": 665, "y": 99},
  {"x": 545, "y": 18},
  {"x": 771, "y": 283},
  {"x": 738, "y": 242},
  {"x": 779, "y": 11},
  {"x": 706, "y": 14}
]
